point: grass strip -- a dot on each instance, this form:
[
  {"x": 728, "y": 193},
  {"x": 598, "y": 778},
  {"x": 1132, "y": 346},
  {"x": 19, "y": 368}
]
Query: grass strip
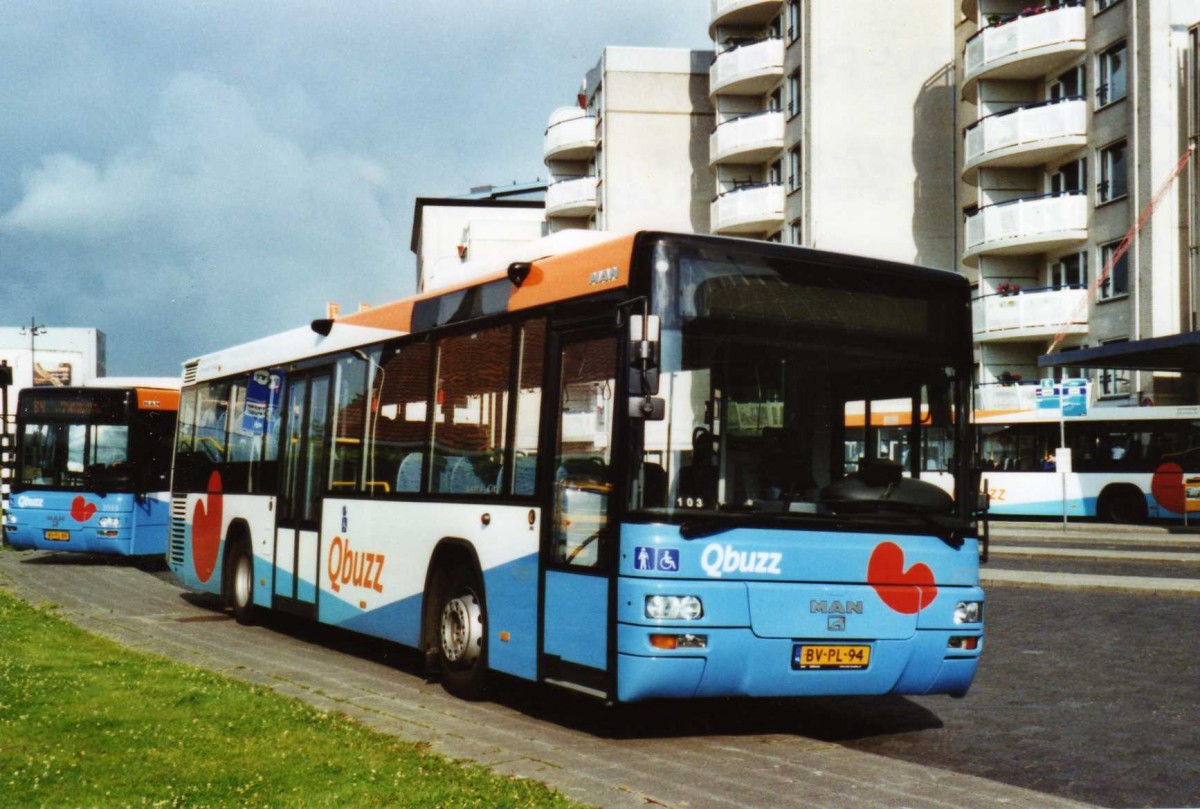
[{"x": 86, "y": 722}]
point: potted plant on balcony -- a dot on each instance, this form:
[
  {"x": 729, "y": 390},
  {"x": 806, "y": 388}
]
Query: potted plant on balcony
[
  {"x": 1008, "y": 379},
  {"x": 1007, "y": 288}
]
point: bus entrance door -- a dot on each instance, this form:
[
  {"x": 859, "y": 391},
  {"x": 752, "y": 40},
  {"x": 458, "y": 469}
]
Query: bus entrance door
[
  {"x": 297, "y": 531},
  {"x": 577, "y": 581}
]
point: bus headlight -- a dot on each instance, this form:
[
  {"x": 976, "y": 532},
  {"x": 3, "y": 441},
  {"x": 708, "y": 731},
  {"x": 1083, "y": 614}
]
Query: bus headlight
[
  {"x": 110, "y": 522},
  {"x": 672, "y": 608},
  {"x": 968, "y": 612}
]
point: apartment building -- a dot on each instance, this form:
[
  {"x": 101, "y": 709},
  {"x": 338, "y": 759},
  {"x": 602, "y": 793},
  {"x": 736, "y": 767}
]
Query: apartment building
[
  {"x": 1074, "y": 114},
  {"x": 834, "y": 125},
  {"x": 632, "y": 153}
]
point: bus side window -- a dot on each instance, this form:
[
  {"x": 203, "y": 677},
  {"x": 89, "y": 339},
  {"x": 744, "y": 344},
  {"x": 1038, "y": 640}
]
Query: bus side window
[
  {"x": 349, "y": 424},
  {"x": 399, "y": 411},
  {"x": 529, "y": 409},
  {"x": 470, "y": 423}
]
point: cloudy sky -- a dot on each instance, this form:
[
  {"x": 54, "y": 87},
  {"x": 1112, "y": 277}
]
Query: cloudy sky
[{"x": 189, "y": 175}]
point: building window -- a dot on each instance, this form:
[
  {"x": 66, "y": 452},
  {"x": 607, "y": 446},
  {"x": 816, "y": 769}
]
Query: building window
[
  {"x": 1114, "y": 179},
  {"x": 775, "y": 173},
  {"x": 1113, "y": 381},
  {"x": 793, "y": 21},
  {"x": 793, "y": 93},
  {"x": 1103, "y": 4},
  {"x": 776, "y": 100},
  {"x": 1070, "y": 84},
  {"x": 1116, "y": 283},
  {"x": 794, "y": 168},
  {"x": 1069, "y": 177},
  {"x": 795, "y": 232},
  {"x": 1111, "y": 75},
  {"x": 1069, "y": 271}
]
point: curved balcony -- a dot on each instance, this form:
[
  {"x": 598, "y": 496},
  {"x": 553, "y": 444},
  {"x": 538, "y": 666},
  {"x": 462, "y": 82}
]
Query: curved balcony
[
  {"x": 1001, "y": 396},
  {"x": 1027, "y": 225},
  {"x": 1025, "y": 46},
  {"x": 1032, "y": 314},
  {"x": 570, "y": 135},
  {"x": 571, "y": 197},
  {"x": 750, "y": 138},
  {"x": 756, "y": 208},
  {"x": 752, "y": 68},
  {"x": 1029, "y": 135},
  {"x": 741, "y": 12}
]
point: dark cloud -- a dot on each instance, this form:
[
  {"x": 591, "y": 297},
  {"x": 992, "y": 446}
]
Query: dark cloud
[{"x": 189, "y": 176}]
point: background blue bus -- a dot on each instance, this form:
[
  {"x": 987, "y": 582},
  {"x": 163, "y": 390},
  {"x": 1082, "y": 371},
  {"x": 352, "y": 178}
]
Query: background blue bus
[{"x": 93, "y": 465}]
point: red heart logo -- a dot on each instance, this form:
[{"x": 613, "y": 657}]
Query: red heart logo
[
  {"x": 82, "y": 510},
  {"x": 906, "y": 591},
  {"x": 206, "y": 530}
]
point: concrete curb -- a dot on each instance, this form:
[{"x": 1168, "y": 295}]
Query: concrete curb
[{"x": 1140, "y": 584}]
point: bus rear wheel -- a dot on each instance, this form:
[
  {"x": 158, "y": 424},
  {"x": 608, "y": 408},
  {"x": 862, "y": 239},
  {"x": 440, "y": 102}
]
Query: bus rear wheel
[
  {"x": 239, "y": 587},
  {"x": 462, "y": 634},
  {"x": 1123, "y": 504}
]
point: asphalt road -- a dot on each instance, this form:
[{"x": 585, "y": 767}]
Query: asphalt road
[{"x": 1083, "y": 696}]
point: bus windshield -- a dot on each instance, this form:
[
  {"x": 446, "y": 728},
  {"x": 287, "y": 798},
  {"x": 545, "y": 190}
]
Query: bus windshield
[
  {"x": 791, "y": 387},
  {"x": 63, "y": 455}
]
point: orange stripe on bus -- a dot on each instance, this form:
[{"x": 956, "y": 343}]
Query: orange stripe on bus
[
  {"x": 575, "y": 274},
  {"x": 157, "y": 399},
  {"x": 396, "y": 316}
]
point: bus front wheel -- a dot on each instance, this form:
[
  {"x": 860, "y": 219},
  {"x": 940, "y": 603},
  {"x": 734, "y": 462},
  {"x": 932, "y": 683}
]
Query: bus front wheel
[
  {"x": 1122, "y": 504},
  {"x": 462, "y": 634},
  {"x": 239, "y": 586}
]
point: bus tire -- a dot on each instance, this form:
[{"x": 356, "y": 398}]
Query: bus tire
[
  {"x": 239, "y": 588},
  {"x": 462, "y": 633},
  {"x": 1123, "y": 503}
]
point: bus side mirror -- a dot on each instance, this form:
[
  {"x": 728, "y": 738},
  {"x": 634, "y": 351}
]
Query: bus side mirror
[{"x": 643, "y": 369}]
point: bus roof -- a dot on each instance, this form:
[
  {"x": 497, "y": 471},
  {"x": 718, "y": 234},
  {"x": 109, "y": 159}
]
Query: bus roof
[
  {"x": 567, "y": 271},
  {"x": 1093, "y": 414},
  {"x": 550, "y": 278},
  {"x": 159, "y": 382}
]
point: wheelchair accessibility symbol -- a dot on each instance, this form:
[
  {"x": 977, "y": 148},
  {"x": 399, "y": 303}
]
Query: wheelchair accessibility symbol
[{"x": 665, "y": 559}]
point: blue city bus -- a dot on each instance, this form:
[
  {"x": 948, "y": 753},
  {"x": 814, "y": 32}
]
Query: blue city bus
[
  {"x": 93, "y": 467},
  {"x": 645, "y": 467}
]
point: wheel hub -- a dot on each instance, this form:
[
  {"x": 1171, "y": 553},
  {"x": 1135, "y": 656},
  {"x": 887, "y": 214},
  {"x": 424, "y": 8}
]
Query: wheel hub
[{"x": 462, "y": 629}]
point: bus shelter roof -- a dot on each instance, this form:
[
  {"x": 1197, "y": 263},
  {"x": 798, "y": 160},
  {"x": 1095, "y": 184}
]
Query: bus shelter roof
[{"x": 1174, "y": 352}]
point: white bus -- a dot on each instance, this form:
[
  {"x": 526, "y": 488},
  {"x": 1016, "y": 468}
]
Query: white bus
[
  {"x": 1128, "y": 464},
  {"x": 622, "y": 470}
]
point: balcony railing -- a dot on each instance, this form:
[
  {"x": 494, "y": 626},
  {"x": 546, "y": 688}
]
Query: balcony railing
[
  {"x": 1030, "y": 314},
  {"x": 1007, "y": 396},
  {"x": 571, "y": 135},
  {"x": 1029, "y": 135},
  {"x": 748, "y": 139},
  {"x": 1027, "y": 45},
  {"x": 571, "y": 197},
  {"x": 750, "y": 68},
  {"x": 755, "y": 208},
  {"x": 1028, "y": 225},
  {"x": 742, "y": 12}
]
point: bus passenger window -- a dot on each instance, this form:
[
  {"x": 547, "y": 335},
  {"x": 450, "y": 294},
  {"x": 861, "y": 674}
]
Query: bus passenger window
[
  {"x": 398, "y": 413},
  {"x": 529, "y": 408},
  {"x": 583, "y": 452},
  {"x": 470, "y": 423},
  {"x": 349, "y": 423}
]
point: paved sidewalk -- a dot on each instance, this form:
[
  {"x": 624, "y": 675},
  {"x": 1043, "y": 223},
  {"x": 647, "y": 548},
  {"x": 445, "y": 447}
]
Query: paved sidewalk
[
  {"x": 601, "y": 757},
  {"x": 1156, "y": 559}
]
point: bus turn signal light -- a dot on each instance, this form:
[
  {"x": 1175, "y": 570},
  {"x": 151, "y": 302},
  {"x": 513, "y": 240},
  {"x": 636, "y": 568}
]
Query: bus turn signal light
[
  {"x": 968, "y": 642},
  {"x": 688, "y": 641}
]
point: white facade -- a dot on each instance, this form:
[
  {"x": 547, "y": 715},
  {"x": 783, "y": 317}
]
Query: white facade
[
  {"x": 634, "y": 154},
  {"x": 834, "y": 125},
  {"x": 55, "y": 356},
  {"x": 1074, "y": 116},
  {"x": 450, "y": 232}
]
